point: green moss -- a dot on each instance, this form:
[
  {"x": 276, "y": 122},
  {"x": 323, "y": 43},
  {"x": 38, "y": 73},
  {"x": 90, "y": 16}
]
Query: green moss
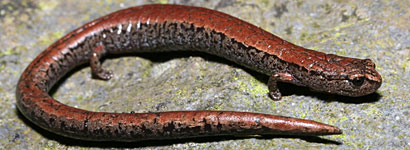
[
  {"x": 235, "y": 78},
  {"x": 48, "y": 38},
  {"x": 80, "y": 98},
  {"x": 340, "y": 136},
  {"x": 47, "y": 5},
  {"x": 303, "y": 36},
  {"x": 273, "y": 105},
  {"x": 218, "y": 107},
  {"x": 341, "y": 52},
  {"x": 147, "y": 65},
  {"x": 198, "y": 90},
  {"x": 163, "y": 1},
  {"x": 264, "y": 2},
  {"x": 344, "y": 118},
  {"x": 315, "y": 25},
  {"x": 178, "y": 92},
  {"x": 361, "y": 145},
  {"x": 302, "y": 116},
  {"x": 307, "y": 37},
  {"x": 406, "y": 65},
  {"x": 2, "y": 67},
  {"x": 373, "y": 111},
  {"x": 394, "y": 87},
  {"x": 13, "y": 51},
  {"x": 7, "y": 52},
  {"x": 257, "y": 88},
  {"x": 247, "y": 102}
]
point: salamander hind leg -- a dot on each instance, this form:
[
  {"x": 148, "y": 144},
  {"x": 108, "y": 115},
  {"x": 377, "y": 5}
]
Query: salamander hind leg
[
  {"x": 274, "y": 92},
  {"x": 95, "y": 63}
]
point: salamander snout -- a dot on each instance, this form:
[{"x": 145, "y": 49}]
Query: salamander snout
[{"x": 362, "y": 79}]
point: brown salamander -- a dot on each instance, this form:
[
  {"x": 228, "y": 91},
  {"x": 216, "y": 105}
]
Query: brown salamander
[{"x": 157, "y": 28}]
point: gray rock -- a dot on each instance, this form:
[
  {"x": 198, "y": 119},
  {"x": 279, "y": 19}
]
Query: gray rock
[{"x": 363, "y": 29}]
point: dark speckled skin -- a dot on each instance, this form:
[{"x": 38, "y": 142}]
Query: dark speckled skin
[{"x": 156, "y": 28}]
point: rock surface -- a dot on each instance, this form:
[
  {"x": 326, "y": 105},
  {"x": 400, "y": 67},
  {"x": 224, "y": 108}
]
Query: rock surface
[{"x": 190, "y": 81}]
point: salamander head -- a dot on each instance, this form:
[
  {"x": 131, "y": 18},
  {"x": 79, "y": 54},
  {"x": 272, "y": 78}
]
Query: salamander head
[{"x": 358, "y": 78}]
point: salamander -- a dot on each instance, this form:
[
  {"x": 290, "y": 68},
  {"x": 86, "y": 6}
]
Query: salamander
[{"x": 164, "y": 27}]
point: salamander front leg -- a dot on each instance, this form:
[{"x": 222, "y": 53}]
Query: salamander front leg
[
  {"x": 282, "y": 77},
  {"x": 95, "y": 63}
]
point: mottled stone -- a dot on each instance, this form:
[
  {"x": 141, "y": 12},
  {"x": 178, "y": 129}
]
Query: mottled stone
[{"x": 378, "y": 30}]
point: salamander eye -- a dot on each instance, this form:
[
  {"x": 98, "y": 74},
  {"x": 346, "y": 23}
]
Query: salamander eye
[{"x": 358, "y": 81}]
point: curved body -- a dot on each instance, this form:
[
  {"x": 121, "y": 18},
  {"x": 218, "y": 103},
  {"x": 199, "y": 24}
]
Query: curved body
[{"x": 156, "y": 28}]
